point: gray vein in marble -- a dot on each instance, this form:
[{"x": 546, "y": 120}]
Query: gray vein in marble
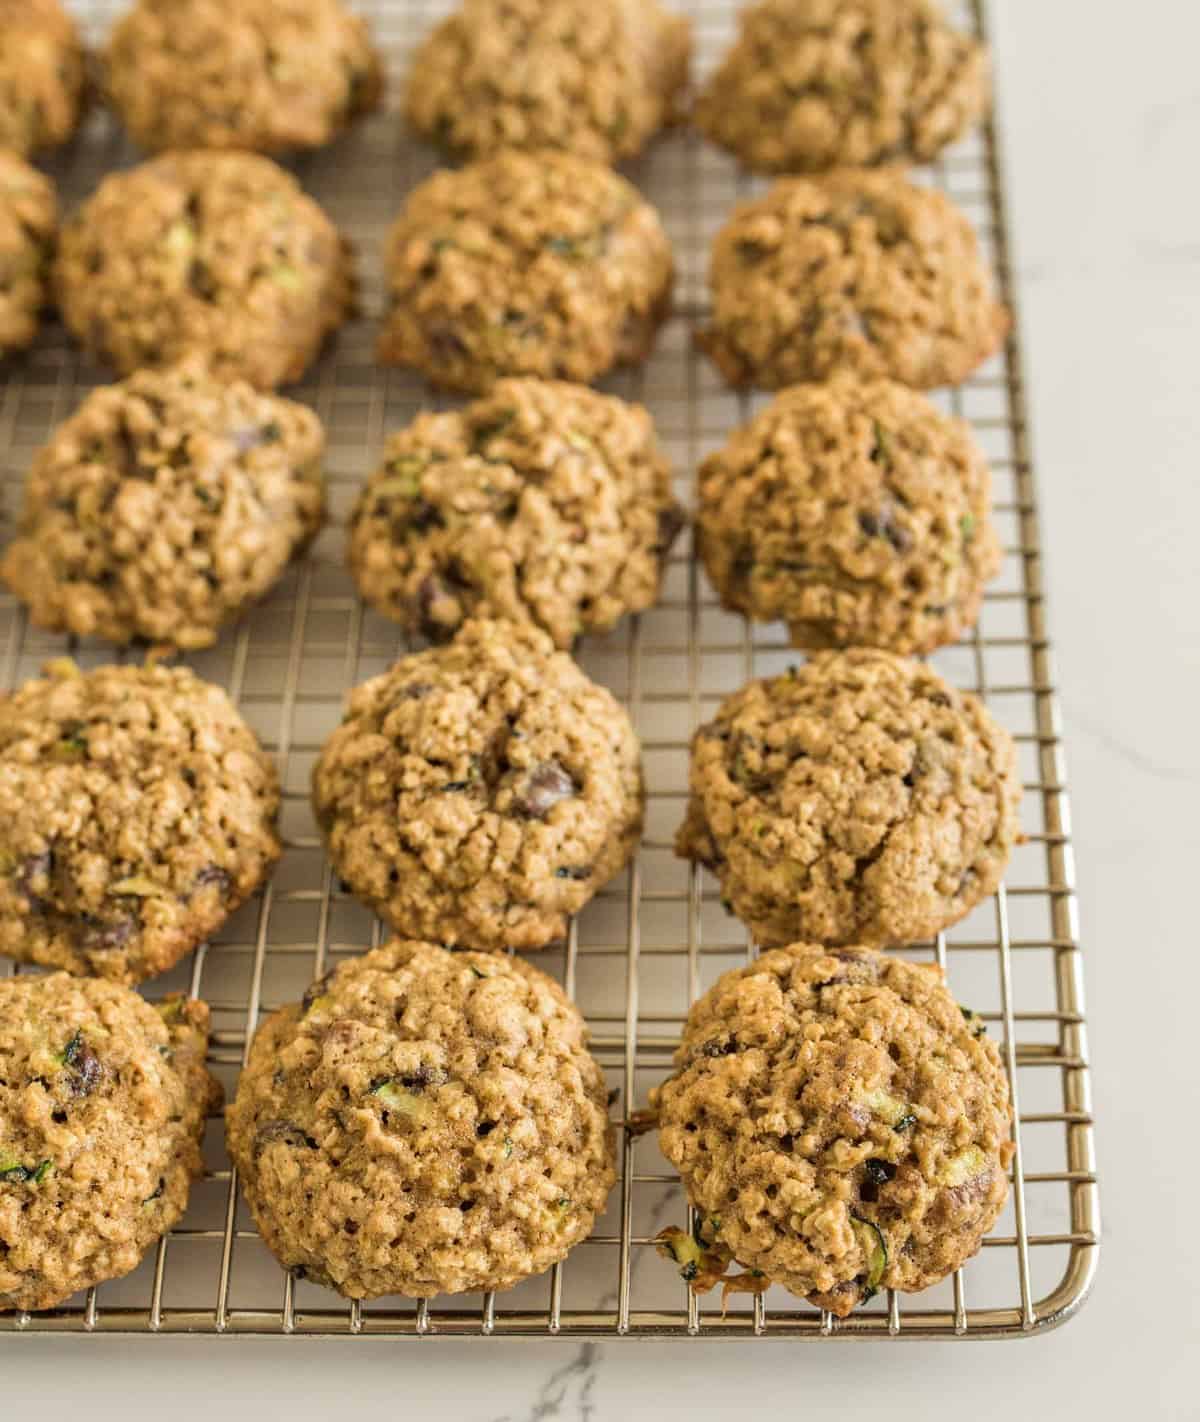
[{"x": 1131, "y": 755}]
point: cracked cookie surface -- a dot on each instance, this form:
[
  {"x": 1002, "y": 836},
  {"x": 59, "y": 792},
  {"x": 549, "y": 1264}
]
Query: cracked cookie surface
[
  {"x": 524, "y": 264},
  {"x": 423, "y": 1122},
  {"x": 855, "y": 271},
  {"x": 597, "y": 78},
  {"x": 840, "y": 1123},
  {"x": 270, "y": 75},
  {"x": 165, "y": 507},
  {"x": 103, "y": 1100},
  {"x": 857, "y": 513},
  {"x": 28, "y": 224},
  {"x": 42, "y": 78},
  {"x": 858, "y": 799},
  {"x": 480, "y": 793},
  {"x": 220, "y": 254},
  {"x": 817, "y": 84},
  {"x": 137, "y": 811},
  {"x": 543, "y": 502}
]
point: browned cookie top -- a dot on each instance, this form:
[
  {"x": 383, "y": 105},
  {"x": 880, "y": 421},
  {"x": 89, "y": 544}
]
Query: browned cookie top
[
  {"x": 41, "y": 75},
  {"x": 840, "y": 1123},
  {"x": 28, "y": 222}
]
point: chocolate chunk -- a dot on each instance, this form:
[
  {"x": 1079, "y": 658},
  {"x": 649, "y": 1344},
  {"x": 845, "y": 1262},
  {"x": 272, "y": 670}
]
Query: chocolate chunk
[
  {"x": 98, "y": 935},
  {"x": 425, "y": 1075},
  {"x": 439, "y": 610},
  {"x": 286, "y": 1131},
  {"x": 214, "y": 874},
  {"x": 314, "y": 991},
  {"x": 545, "y": 786}
]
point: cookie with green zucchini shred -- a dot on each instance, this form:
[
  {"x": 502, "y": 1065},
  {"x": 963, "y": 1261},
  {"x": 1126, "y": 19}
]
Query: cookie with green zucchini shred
[
  {"x": 855, "y": 512},
  {"x": 524, "y": 264},
  {"x": 220, "y": 254},
  {"x": 103, "y": 1100},
  {"x": 274, "y": 76},
  {"x": 840, "y": 1123},
  {"x": 543, "y": 502},
  {"x": 480, "y": 793},
  {"x": 137, "y": 812},
  {"x": 423, "y": 1122},
  {"x": 28, "y": 227},
  {"x": 859, "y": 798},
  {"x": 42, "y": 76}
]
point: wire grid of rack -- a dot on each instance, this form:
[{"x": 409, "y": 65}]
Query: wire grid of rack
[{"x": 657, "y": 937}]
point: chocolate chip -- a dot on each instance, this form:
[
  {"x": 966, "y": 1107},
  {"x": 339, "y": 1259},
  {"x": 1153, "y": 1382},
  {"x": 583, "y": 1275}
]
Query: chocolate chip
[
  {"x": 723, "y": 1047},
  {"x": 285, "y": 1131},
  {"x": 439, "y": 612},
  {"x": 884, "y": 525},
  {"x": 424, "y": 1076},
  {"x": 416, "y": 691},
  {"x": 578, "y": 872},
  {"x": 85, "y": 1071},
  {"x": 36, "y": 866},
  {"x": 214, "y": 874},
  {"x": 200, "y": 280},
  {"x": 546, "y": 785},
  {"x": 98, "y": 935},
  {"x": 314, "y": 991},
  {"x": 670, "y": 522}
]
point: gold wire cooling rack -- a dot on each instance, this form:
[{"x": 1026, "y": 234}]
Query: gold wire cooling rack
[{"x": 657, "y": 937}]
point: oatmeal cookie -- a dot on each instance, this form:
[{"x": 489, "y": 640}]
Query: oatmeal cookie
[
  {"x": 28, "y": 222},
  {"x": 103, "y": 1101},
  {"x": 858, "y": 799},
  {"x": 137, "y": 811},
  {"x": 817, "y": 84},
  {"x": 857, "y": 271},
  {"x": 524, "y": 264},
  {"x": 482, "y": 792},
  {"x": 41, "y": 75},
  {"x": 543, "y": 502},
  {"x": 165, "y": 507},
  {"x": 597, "y": 78},
  {"x": 840, "y": 1123},
  {"x": 271, "y": 75},
  {"x": 857, "y": 513},
  {"x": 423, "y": 1122},
  {"x": 216, "y": 253}
]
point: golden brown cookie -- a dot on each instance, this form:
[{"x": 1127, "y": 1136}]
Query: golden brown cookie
[
  {"x": 28, "y": 222},
  {"x": 42, "y": 78}
]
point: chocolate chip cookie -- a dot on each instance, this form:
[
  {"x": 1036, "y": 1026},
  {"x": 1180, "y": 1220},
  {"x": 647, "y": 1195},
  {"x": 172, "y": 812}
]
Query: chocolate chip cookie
[
  {"x": 165, "y": 507},
  {"x": 271, "y": 75},
  {"x": 480, "y": 793},
  {"x": 840, "y": 1123},
  {"x": 216, "y": 253},
  {"x": 524, "y": 264},
  {"x": 857, "y": 799},
  {"x": 103, "y": 1101},
  {"x": 543, "y": 502},
  {"x": 860, "y": 271},
  {"x": 423, "y": 1122},
  {"x": 857, "y": 513},
  {"x": 28, "y": 222},
  {"x": 41, "y": 75},
  {"x": 137, "y": 811},
  {"x": 818, "y": 84},
  {"x": 597, "y": 78}
]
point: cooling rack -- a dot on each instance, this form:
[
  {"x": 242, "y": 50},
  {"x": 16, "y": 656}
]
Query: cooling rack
[{"x": 658, "y": 936}]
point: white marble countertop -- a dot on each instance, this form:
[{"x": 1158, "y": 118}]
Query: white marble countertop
[{"x": 1102, "y": 130}]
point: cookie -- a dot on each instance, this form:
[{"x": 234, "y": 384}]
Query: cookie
[
  {"x": 137, "y": 811},
  {"x": 216, "y": 253},
  {"x": 164, "y": 507},
  {"x": 543, "y": 502},
  {"x": 857, "y": 513},
  {"x": 817, "y": 84},
  {"x": 424, "y": 1122},
  {"x": 479, "y": 794},
  {"x": 857, "y": 271},
  {"x": 597, "y": 78},
  {"x": 857, "y": 799},
  {"x": 28, "y": 222},
  {"x": 103, "y": 1101},
  {"x": 840, "y": 1123},
  {"x": 270, "y": 75},
  {"x": 41, "y": 76},
  {"x": 524, "y": 264}
]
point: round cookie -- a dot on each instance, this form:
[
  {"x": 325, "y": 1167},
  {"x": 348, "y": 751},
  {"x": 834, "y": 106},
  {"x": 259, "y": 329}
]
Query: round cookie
[
  {"x": 840, "y": 1123},
  {"x": 858, "y": 799},
  {"x": 103, "y": 1101},
  {"x": 857, "y": 513},
  {"x": 41, "y": 75},
  {"x": 424, "y": 1122},
  {"x": 817, "y": 84},
  {"x": 542, "y": 502},
  {"x": 216, "y": 253},
  {"x": 597, "y": 78},
  {"x": 271, "y": 75},
  {"x": 28, "y": 222},
  {"x": 137, "y": 811},
  {"x": 524, "y": 264},
  {"x": 857, "y": 271},
  {"x": 164, "y": 507},
  {"x": 479, "y": 794}
]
